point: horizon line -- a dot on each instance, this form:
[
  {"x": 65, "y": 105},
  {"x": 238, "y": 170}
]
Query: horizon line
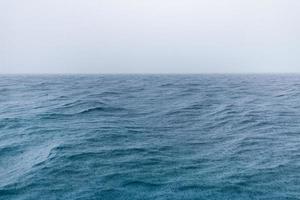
[{"x": 167, "y": 73}]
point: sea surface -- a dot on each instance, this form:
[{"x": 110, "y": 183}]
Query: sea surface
[{"x": 148, "y": 137}]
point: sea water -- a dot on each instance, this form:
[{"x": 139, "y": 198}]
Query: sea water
[{"x": 149, "y": 137}]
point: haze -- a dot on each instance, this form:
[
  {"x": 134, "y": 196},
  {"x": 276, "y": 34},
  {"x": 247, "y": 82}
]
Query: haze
[{"x": 149, "y": 36}]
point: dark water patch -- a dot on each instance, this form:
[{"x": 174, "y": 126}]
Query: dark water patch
[{"x": 143, "y": 184}]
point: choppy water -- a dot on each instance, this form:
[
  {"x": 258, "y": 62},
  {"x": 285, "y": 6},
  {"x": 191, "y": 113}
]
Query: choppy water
[{"x": 150, "y": 137}]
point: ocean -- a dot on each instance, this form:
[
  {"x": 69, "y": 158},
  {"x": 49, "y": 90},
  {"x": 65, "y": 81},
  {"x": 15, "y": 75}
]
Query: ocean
[{"x": 148, "y": 137}]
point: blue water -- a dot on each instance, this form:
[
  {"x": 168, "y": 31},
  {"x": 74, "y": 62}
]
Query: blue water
[{"x": 150, "y": 137}]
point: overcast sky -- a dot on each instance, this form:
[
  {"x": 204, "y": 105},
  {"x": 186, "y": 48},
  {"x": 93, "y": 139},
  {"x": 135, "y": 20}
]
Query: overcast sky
[{"x": 149, "y": 36}]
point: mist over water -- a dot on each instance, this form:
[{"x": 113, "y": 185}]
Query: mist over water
[
  {"x": 149, "y": 137},
  {"x": 142, "y": 36}
]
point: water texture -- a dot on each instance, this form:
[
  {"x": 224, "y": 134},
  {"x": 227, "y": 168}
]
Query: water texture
[{"x": 150, "y": 137}]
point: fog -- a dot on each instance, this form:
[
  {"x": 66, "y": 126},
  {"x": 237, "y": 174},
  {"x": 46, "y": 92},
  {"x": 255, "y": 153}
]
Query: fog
[{"x": 149, "y": 36}]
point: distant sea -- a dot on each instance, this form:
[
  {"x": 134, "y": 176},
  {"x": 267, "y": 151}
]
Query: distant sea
[{"x": 133, "y": 137}]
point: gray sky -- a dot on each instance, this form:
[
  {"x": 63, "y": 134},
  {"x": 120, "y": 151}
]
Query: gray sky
[{"x": 149, "y": 36}]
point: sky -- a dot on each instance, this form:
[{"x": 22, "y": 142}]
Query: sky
[{"x": 149, "y": 36}]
